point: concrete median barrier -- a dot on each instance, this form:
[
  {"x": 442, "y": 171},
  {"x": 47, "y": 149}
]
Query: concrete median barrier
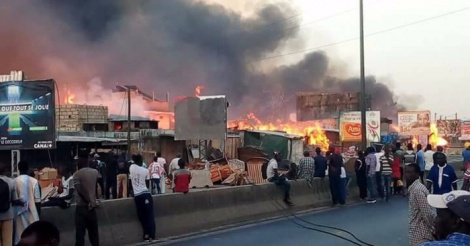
[{"x": 179, "y": 214}]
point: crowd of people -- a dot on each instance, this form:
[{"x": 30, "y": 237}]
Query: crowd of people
[{"x": 21, "y": 199}]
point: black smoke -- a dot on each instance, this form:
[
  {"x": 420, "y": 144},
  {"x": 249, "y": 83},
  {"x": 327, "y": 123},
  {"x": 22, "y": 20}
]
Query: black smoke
[{"x": 168, "y": 46}]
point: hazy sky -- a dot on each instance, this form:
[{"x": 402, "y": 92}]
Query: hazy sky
[{"x": 426, "y": 64}]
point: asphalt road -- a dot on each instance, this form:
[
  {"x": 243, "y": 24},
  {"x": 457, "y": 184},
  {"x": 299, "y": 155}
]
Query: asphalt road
[{"x": 377, "y": 224}]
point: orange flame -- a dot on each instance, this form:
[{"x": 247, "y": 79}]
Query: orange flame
[
  {"x": 198, "y": 90},
  {"x": 69, "y": 98},
  {"x": 313, "y": 133},
  {"x": 434, "y": 137}
]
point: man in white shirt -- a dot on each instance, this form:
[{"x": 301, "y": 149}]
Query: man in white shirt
[
  {"x": 281, "y": 181},
  {"x": 428, "y": 160},
  {"x": 173, "y": 167},
  {"x": 143, "y": 199},
  {"x": 157, "y": 172}
]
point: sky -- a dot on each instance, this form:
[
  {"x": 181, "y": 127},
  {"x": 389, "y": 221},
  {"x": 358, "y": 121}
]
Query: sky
[{"x": 426, "y": 64}]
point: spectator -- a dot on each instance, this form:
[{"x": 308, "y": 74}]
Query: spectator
[
  {"x": 123, "y": 170},
  {"x": 396, "y": 174},
  {"x": 379, "y": 152},
  {"x": 409, "y": 157},
  {"x": 182, "y": 178},
  {"x": 337, "y": 188},
  {"x": 100, "y": 166},
  {"x": 173, "y": 167},
  {"x": 280, "y": 180},
  {"x": 371, "y": 163},
  {"x": 420, "y": 160},
  {"x": 421, "y": 214},
  {"x": 466, "y": 158},
  {"x": 65, "y": 191},
  {"x": 8, "y": 197},
  {"x": 142, "y": 198},
  {"x": 453, "y": 218},
  {"x": 85, "y": 182},
  {"x": 466, "y": 180},
  {"x": 320, "y": 164},
  {"x": 361, "y": 174},
  {"x": 111, "y": 178},
  {"x": 442, "y": 178},
  {"x": 386, "y": 171},
  {"x": 27, "y": 189},
  {"x": 40, "y": 233},
  {"x": 157, "y": 171},
  {"x": 306, "y": 167},
  {"x": 428, "y": 159}
]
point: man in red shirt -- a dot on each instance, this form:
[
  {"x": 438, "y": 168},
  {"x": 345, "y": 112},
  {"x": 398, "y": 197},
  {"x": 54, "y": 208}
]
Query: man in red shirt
[{"x": 182, "y": 178}]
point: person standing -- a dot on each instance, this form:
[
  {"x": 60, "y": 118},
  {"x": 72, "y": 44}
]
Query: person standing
[
  {"x": 466, "y": 158},
  {"x": 428, "y": 160},
  {"x": 182, "y": 178},
  {"x": 361, "y": 174},
  {"x": 466, "y": 180},
  {"x": 8, "y": 197},
  {"x": 111, "y": 178},
  {"x": 379, "y": 152},
  {"x": 321, "y": 165},
  {"x": 396, "y": 174},
  {"x": 142, "y": 198},
  {"x": 157, "y": 171},
  {"x": 371, "y": 163},
  {"x": 122, "y": 180},
  {"x": 280, "y": 180},
  {"x": 452, "y": 225},
  {"x": 306, "y": 167},
  {"x": 85, "y": 181},
  {"x": 386, "y": 171},
  {"x": 337, "y": 188},
  {"x": 421, "y": 215},
  {"x": 173, "y": 167},
  {"x": 442, "y": 178},
  {"x": 420, "y": 160},
  {"x": 27, "y": 190}
]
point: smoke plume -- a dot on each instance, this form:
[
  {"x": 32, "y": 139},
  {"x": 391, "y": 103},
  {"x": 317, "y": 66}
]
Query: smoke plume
[{"x": 167, "y": 46}]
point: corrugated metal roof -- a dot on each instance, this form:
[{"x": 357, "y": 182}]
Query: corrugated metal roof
[{"x": 88, "y": 139}]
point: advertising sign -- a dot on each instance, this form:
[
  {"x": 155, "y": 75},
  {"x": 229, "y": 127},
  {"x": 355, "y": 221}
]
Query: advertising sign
[
  {"x": 448, "y": 128},
  {"x": 414, "y": 123},
  {"x": 465, "y": 130},
  {"x": 27, "y": 115},
  {"x": 350, "y": 123}
]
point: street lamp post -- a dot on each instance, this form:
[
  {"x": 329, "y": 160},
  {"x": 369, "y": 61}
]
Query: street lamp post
[{"x": 363, "y": 80}]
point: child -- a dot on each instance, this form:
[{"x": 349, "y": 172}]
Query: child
[{"x": 182, "y": 178}]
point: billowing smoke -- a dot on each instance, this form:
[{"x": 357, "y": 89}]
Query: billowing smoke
[{"x": 166, "y": 46}]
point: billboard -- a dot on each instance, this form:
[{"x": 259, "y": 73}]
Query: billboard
[
  {"x": 201, "y": 118},
  {"x": 448, "y": 128},
  {"x": 414, "y": 123},
  {"x": 27, "y": 115},
  {"x": 350, "y": 126},
  {"x": 314, "y": 105},
  {"x": 465, "y": 130}
]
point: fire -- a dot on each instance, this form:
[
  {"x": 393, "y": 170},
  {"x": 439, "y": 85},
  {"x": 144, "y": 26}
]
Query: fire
[
  {"x": 313, "y": 134},
  {"x": 434, "y": 138},
  {"x": 198, "y": 90},
  {"x": 69, "y": 97}
]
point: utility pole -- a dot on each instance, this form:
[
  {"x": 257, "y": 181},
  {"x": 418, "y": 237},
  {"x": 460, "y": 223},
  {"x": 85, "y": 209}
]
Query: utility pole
[
  {"x": 363, "y": 80},
  {"x": 128, "y": 120}
]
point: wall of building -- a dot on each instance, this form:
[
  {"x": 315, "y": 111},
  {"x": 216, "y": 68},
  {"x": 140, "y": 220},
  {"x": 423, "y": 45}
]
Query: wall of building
[{"x": 71, "y": 117}]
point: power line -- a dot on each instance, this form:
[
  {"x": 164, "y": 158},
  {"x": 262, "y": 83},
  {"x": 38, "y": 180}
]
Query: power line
[{"x": 368, "y": 35}]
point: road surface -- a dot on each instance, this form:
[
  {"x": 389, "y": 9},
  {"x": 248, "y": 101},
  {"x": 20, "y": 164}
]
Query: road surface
[{"x": 377, "y": 224}]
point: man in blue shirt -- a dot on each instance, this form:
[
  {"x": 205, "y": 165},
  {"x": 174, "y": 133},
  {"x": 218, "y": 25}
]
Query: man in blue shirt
[
  {"x": 452, "y": 226},
  {"x": 466, "y": 155},
  {"x": 441, "y": 178},
  {"x": 420, "y": 160}
]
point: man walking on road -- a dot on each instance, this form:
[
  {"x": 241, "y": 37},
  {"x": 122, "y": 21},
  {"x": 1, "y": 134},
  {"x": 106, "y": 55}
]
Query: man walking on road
[
  {"x": 142, "y": 198},
  {"x": 85, "y": 181},
  {"x": 421, "y": 217},
  {"x": 453, "y": 218},
  {"x": 337, "y": 188},
  {"x": 280, "y": 180},
  {"x": 306, "y": 167}
]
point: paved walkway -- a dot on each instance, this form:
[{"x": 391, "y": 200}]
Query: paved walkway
[{"x": 377, "y": 224}]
